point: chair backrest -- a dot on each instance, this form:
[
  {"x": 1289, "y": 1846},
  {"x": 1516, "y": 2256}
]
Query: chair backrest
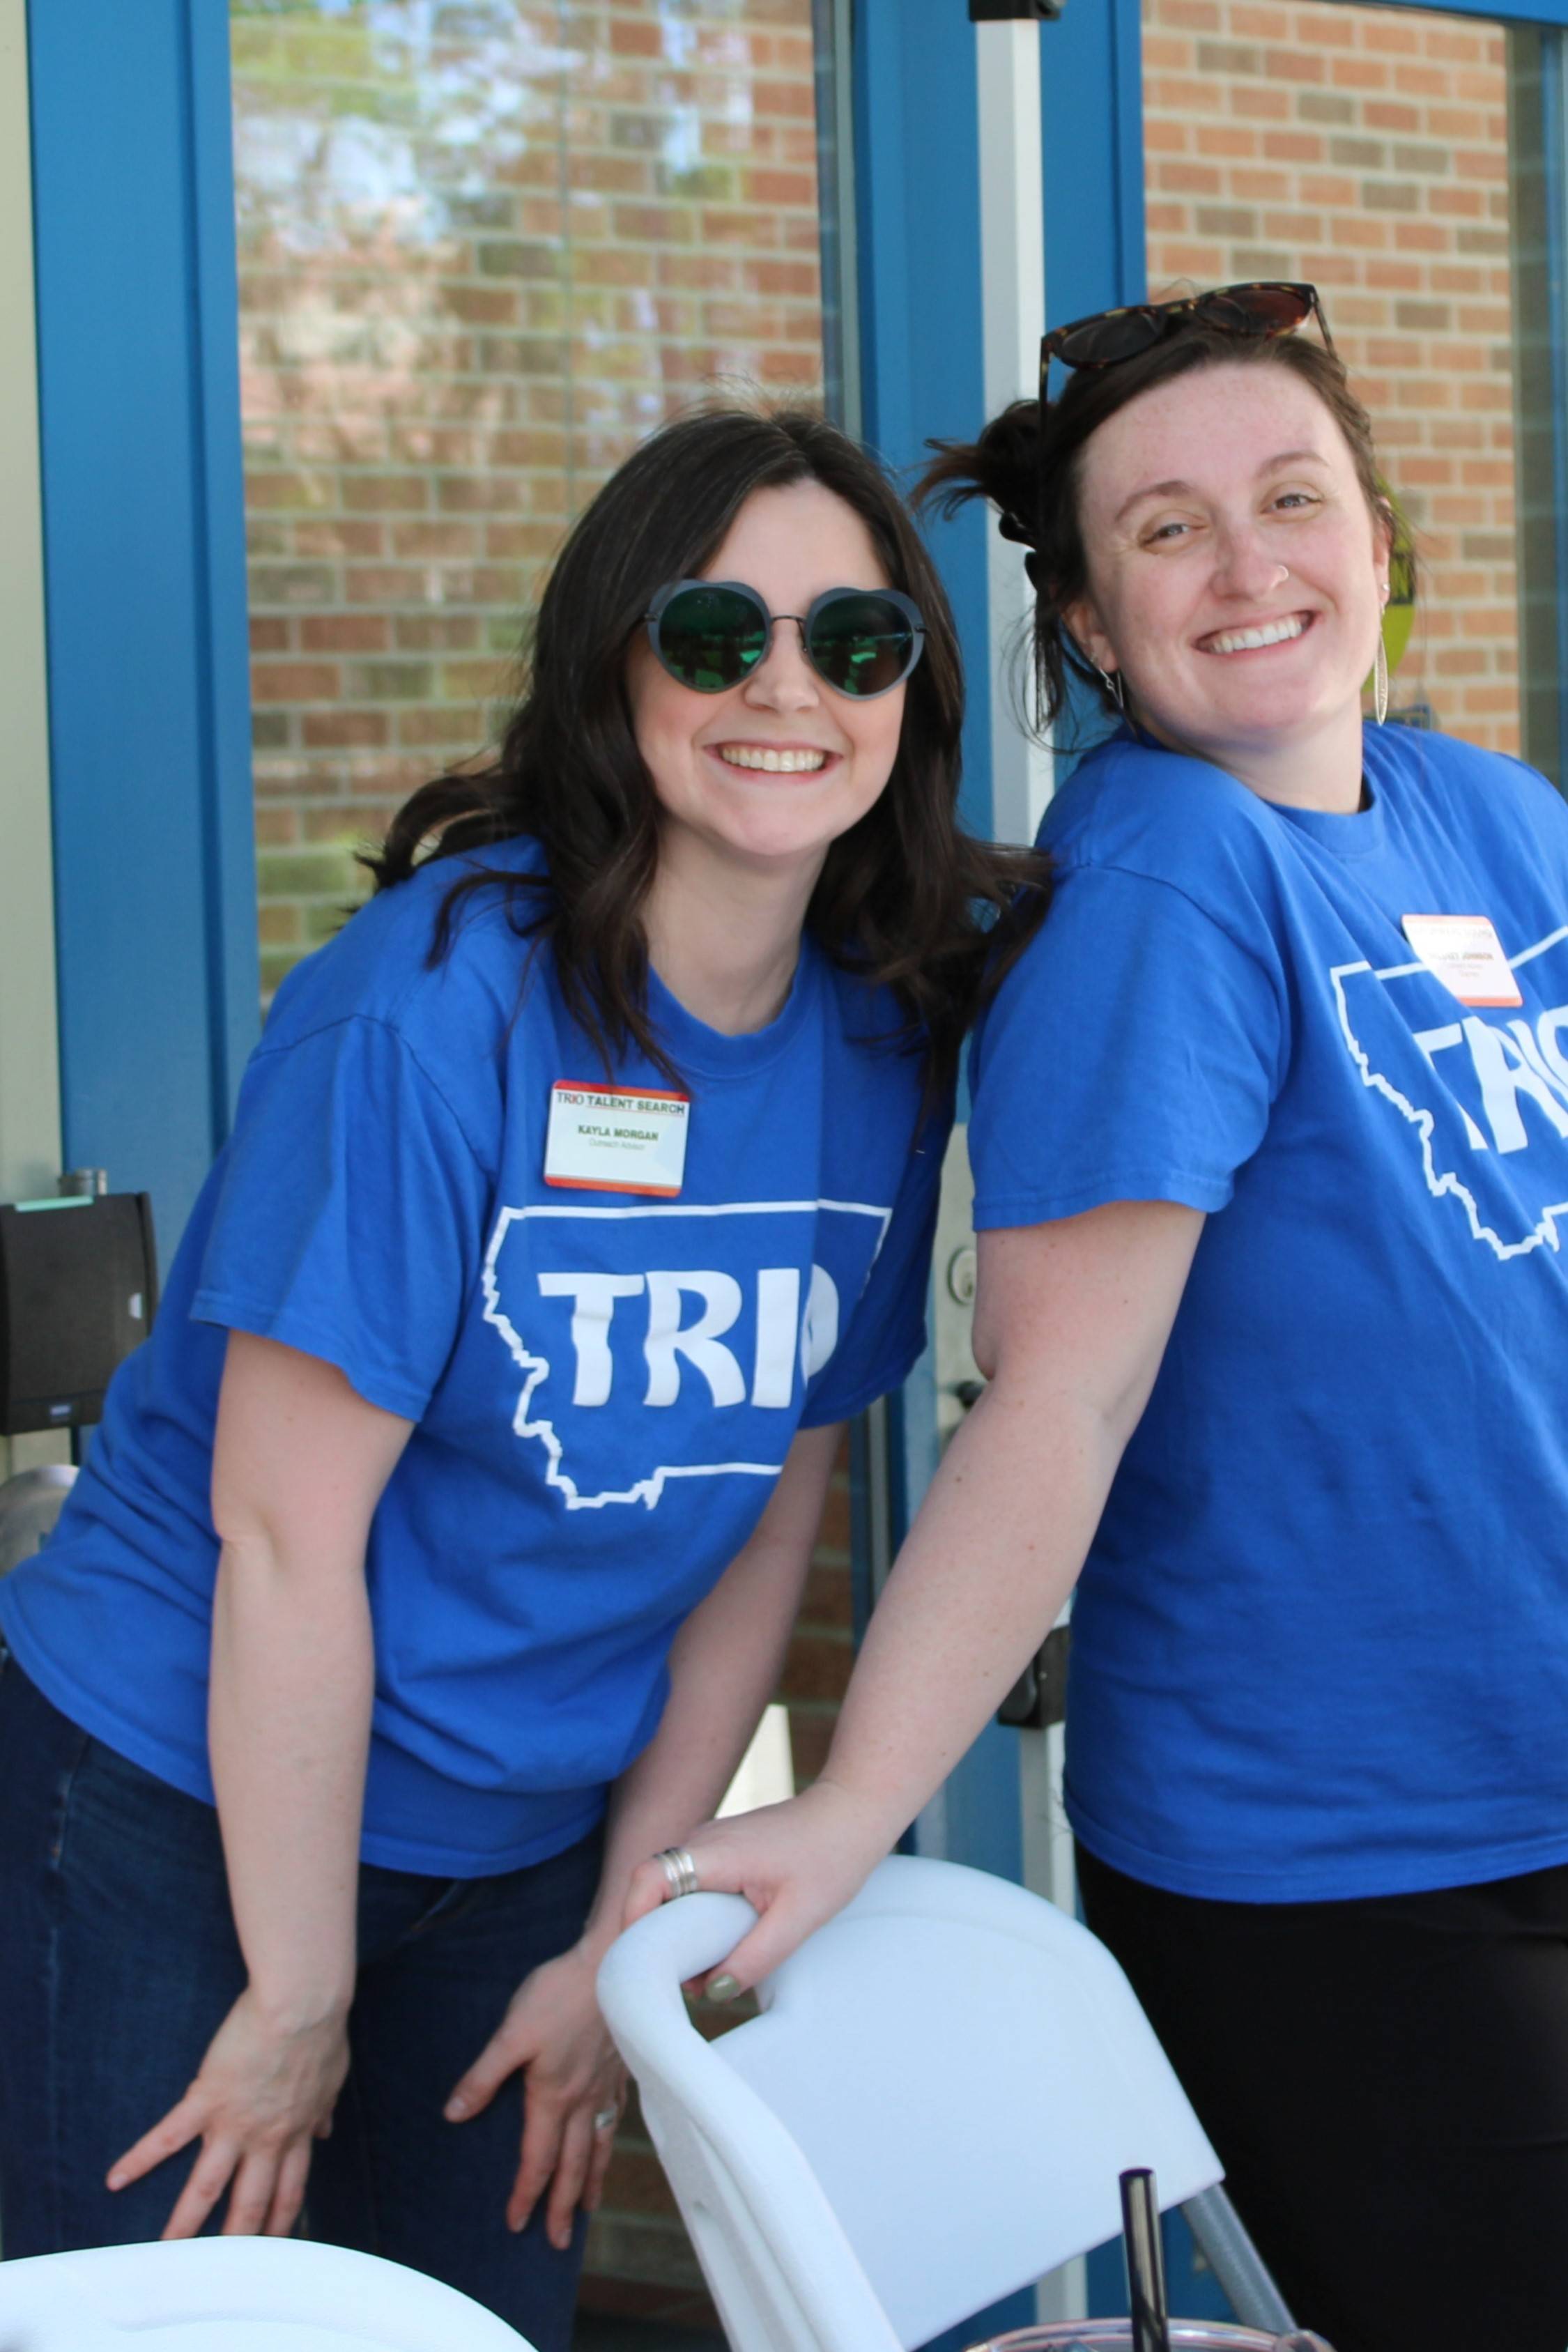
[
  {"x": 237, "y": 2295},
  {"x": 933, "y": 2110}
]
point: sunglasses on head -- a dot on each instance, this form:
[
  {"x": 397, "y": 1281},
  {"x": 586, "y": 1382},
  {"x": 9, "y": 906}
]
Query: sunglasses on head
[
  {"x": 710, "y": 634},
  {"x": 1265, "y": 307}
]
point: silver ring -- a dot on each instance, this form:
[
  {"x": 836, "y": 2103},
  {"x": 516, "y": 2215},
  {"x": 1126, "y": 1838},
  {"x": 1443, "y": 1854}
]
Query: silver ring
[
  {"x": 680, "y": 1871},
  {"x": 607, "y": 2119}
]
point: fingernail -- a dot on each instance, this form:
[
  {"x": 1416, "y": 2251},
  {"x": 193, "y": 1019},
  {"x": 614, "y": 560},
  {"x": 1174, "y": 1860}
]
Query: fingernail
[
  {"x": 722, "y": 1988},
  {"x": 455, "y": 2110}
]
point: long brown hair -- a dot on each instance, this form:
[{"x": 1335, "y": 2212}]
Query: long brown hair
[
  {"x": 905, "y": 899},
  {"x": 1030, "y": 470}
]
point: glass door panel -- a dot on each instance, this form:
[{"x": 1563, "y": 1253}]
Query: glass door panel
[
  {"x": 1368, "y": 150},
  {"x": 483, "y": 248}
]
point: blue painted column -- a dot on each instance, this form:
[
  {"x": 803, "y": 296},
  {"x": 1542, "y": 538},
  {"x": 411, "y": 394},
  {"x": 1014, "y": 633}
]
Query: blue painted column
[
  {"x": 917, "y": 163},
  {"x": 917, "y": 183},
  {"x": 144, "y": 584},
  {"x": 1091, "y": 139},
  {"x": 917, "y": 177}
]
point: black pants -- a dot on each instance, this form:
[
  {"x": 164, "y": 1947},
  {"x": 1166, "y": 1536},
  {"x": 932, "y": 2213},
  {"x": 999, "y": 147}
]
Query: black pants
[{"x": 1386, "y": 2083}]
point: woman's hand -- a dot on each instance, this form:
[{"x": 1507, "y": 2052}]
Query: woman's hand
[
  {"x": 264, "y": 2092},
  {"x": 795, "y": 1863},
  {"x": 554, "y": 2032}
]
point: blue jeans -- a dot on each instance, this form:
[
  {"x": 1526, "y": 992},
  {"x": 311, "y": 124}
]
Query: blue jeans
[{"x": 119, "y": 1960}]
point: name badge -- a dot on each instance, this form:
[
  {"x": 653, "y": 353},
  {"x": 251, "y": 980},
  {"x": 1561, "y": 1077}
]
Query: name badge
[
  {"x": 617, "y": 1139},
  {"x": 1466, "y": 954}
]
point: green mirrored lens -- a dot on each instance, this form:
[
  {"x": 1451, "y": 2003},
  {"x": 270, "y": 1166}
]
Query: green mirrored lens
[
  {"x": 861, "y": 644},
  {"x": 711, "y": 639}
]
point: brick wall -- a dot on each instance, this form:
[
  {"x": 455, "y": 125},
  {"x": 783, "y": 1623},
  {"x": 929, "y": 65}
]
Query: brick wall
[
  {"x": 483, "y": 248},
  {"x": 1366, "y": 148}
]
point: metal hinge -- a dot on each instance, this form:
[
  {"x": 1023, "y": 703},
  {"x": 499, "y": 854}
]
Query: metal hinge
[
  {"x": 1012, "y": 11},
  {"x": 1038, "y": 1699}
]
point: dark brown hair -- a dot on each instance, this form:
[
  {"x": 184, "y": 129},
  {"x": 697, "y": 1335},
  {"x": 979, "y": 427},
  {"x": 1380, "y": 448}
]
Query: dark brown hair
[
  {"x": 1032, "y": 474},
  {"x": 906, "y": 899}
]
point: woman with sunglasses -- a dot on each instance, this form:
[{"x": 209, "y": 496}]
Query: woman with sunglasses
[
  {"x": 1270, "y": 1144},
  {"x": 439, "y": 1552}
]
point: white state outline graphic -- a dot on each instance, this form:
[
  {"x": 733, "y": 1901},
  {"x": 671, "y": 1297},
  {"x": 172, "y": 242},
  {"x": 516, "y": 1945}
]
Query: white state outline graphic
[
  {"x": 1425, "y": 1120},
  {"x": 536, "y": 1367}
]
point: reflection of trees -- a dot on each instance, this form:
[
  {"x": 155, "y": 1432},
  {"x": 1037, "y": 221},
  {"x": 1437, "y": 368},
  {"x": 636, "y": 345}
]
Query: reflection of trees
[
  {"x": 366, "y": 141},
  {"x": 374, "y": 138},
  {"x": 481, "y": 253}
]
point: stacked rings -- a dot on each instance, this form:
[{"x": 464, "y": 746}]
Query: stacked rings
[{"x": 679, "y": 1870}]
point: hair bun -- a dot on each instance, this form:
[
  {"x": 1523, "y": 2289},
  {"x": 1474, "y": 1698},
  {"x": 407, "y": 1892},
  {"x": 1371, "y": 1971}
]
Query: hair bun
[{"x": 1003, "y": 466}]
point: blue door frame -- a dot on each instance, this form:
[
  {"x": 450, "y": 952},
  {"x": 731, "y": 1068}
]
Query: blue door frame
[{"x": 144, "y": 584}]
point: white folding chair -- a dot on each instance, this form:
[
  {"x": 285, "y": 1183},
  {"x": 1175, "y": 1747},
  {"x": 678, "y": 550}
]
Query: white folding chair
[
  {"x": 933, "y": 2110},
  {"x": 237, "y": 2295}
]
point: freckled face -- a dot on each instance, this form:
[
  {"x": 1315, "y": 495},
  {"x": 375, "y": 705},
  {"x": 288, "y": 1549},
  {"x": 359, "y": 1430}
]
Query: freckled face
[
  {"x": 1236, "y": 575},
  {"x": 769, "y": 773}
]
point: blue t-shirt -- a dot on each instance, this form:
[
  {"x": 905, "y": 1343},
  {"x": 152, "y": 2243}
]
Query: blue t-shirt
[
  {"x": 1321, "y": 1644},
  {"x": 604, "y": 1385}
]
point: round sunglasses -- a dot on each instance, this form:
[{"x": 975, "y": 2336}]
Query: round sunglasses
[
  {"x": 1267, "y": 307},
  {"x": 710, "y": 634}
]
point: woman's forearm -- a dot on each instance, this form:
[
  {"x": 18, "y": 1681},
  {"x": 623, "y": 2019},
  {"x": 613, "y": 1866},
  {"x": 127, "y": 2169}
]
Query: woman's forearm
[
  {"x": 1072, "y": 1319},
  {"x": 289, "y": 1730},
  {"x": 300, "y": 1462},
  {"x": 981, "y": 1576},
  {"x": 719, "y": 1687},
  {"x": 724, "y": 1666}
]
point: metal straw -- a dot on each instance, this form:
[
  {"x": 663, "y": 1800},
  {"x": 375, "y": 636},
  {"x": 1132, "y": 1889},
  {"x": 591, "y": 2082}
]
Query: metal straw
[{"x": 1146, "y": 2263}]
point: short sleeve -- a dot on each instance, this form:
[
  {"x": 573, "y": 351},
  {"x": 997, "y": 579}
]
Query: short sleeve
[
  {"x": 1132, "y": 1054},
  {"x": 887, "y": 1333},
  {"x": 351, "y": 1215}
]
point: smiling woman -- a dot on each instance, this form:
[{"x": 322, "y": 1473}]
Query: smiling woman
[
  {"x": 630, "y": 773},
  {"x": 728, "y": 826},
  {"x": 1246, "y": 594},
  {"x": 1270, "y": 1144}
]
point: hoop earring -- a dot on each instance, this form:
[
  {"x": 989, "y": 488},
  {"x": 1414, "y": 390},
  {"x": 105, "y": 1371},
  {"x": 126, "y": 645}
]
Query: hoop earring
[
  {"x": 1380, "y": 680},
  {"x": 1111, "y": 681}
]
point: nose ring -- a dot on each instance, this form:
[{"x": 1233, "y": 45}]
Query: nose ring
[{"x": 1284, "y": 575}]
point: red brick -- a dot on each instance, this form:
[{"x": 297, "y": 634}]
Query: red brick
[
  {"x": 339, "y": 536},
  {"x": 344, "y": 633},
  {"x": 1259, "y": 101},
  {"x": 295, "y": 682},
  {"x": 1295, "y": 65},
  {"x": 384, "y": 493},
  {"x": 630, "y": 38},
  {"x": 384, "y": 583},
  {"x": 829, "y": 1600},
  {"x": 341, "y": 730}
]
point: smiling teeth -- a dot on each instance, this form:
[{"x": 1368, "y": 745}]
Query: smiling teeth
[
  {"x": 776, "y": 763},
  {"x": 1241, "y": 641}
]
